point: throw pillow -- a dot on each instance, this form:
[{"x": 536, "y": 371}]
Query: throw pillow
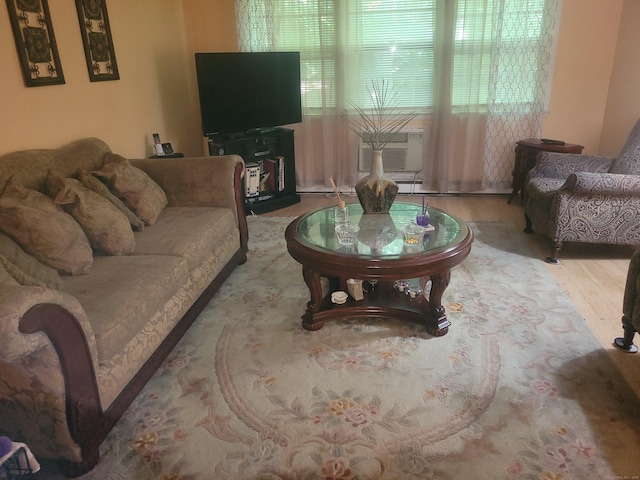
[
  {"x": 25, "y": 268},
  {"x": 44, "y": 230},
  {"x": 106, "y": 227},
  {"x": 134, "y": 187},
  {"x": 93, "y": 183}
]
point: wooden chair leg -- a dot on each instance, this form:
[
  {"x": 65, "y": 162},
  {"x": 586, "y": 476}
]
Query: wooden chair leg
[
  {"x": 626, "y": 343},
  {"x": 553, "y": 259}
]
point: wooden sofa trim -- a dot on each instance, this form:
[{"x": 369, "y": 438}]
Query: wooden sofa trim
[
  {"x": 68, "y": 339},
  {"x": 241, "y": 214}
]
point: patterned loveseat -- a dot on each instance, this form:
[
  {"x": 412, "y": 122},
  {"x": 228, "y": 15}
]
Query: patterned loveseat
[
  {"x": 585, "y": 198},
  {"x": 76, "y": 347}
]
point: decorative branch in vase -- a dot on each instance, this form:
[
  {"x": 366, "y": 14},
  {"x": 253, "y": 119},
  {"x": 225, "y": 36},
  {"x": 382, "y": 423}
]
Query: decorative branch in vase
[{"x": 376, "y": 127}]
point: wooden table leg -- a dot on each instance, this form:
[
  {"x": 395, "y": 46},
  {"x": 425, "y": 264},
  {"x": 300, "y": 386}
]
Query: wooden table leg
[
  {"x": 313, "y": 281},
  {"x": 438, "y": 324}
]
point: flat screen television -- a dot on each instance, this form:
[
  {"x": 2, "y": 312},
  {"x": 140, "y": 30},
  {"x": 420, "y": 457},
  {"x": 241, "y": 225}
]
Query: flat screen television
[{"x": 247, "y": 91}]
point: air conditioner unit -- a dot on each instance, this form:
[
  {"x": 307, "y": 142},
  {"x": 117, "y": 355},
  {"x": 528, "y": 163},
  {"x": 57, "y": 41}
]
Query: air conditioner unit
[{"x": 403, "y": 153}]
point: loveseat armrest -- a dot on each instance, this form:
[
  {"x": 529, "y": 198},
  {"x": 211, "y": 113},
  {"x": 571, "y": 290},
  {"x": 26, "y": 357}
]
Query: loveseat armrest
[
  {"x": 201, "y": 182},
  {"x": 606, "y": 184},
  {"x": 561, "y": 165}
]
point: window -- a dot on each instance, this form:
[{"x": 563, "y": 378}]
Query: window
[
  {"x": 346, "y": 43},
  {"x": 479, "y": 71}
]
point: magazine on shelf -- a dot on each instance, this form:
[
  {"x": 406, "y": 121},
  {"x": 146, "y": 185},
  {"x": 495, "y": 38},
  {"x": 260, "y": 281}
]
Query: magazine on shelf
[
  {"x": 281, "y": 185},
  {"x": 275, "y": 170},
  {"x": 270, "y": 171}
]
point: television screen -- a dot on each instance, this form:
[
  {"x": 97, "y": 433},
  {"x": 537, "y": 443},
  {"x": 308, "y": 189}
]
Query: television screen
[{"x": 247, "y": 91}]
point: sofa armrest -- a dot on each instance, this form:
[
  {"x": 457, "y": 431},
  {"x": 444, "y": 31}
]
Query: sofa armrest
[
  {"x": 16, "y": 301},
  {"x": 606, "y": 184},
  {"x": 48, "y": 353},
  {"x": 561, "y": 165},
  {"x": 194, "y": 181},
  {"x": 201, "y": 181}
]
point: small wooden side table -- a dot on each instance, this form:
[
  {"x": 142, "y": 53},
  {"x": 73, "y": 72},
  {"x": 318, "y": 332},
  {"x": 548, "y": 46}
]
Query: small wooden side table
[{"x": 526, "y": 154}]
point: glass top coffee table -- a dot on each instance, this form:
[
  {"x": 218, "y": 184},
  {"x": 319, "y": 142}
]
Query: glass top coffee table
[{"x": 380, "y": 258}]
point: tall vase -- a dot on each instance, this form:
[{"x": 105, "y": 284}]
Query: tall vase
[{"x": 376, "y": 192}]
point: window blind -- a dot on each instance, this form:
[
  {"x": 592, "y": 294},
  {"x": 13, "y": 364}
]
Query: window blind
[{"x": 345, "y": 43}]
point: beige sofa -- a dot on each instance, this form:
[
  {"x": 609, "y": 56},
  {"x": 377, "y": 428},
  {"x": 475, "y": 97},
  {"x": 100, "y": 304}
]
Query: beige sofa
[{"x": 75, "y": 349}]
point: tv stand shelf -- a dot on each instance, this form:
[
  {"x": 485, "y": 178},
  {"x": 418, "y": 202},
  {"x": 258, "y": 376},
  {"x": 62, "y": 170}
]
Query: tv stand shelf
[{"x": 257, "y": 149}]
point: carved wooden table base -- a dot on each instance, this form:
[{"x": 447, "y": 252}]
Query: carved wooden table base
[{"x": 380, "y": 300}]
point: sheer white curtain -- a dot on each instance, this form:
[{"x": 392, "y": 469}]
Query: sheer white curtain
[
  {"x": 520, "y": 83},
  {"x": 476, "y": 71}
]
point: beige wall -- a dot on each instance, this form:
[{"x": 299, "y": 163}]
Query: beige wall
[
  {"x": 584, "y": 59},
  {"x": 623, "y": 103},
  {"x": 211, "y": 25},
  {"x": 155, "y": 93}
]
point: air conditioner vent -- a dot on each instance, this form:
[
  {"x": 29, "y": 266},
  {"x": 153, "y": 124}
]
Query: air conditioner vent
[{"x": 403, "y": 153}]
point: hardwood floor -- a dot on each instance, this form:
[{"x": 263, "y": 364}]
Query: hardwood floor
[{"x": 593, "y": 276}]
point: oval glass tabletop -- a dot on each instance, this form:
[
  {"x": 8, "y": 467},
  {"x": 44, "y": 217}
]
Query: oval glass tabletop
[{"x": 380, "y": 234}]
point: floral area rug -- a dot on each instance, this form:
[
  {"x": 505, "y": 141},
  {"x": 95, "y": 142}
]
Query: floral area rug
[{"x": 518, "y": 389}]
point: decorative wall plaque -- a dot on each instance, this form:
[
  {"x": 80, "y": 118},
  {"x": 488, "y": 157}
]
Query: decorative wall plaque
[
  {"x": 35, "y": 41},
  {"x": 96, "y": 37}
]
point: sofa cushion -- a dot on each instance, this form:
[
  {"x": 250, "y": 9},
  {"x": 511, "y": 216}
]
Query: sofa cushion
[
  {"x": 24, "y": 268},
  {"x": 106, "y": 227},
  {"x": 134, "y": 187},
  {"x": 44, "y": 230},
  {"x": 190, "y": 232},
  {"x": 94, "y": 184},
  {"x": 122, "y": 293}
]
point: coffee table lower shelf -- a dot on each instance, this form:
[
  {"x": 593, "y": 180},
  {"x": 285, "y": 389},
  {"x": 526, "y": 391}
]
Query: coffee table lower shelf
[{"x": 381, "y": 301}]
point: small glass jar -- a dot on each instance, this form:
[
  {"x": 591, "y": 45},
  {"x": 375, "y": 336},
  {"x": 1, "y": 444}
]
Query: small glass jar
[
  {"x": 347, "y": 234},
  {"x": 341, "y": 215},
  {"x": 412, "y": 234}
]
